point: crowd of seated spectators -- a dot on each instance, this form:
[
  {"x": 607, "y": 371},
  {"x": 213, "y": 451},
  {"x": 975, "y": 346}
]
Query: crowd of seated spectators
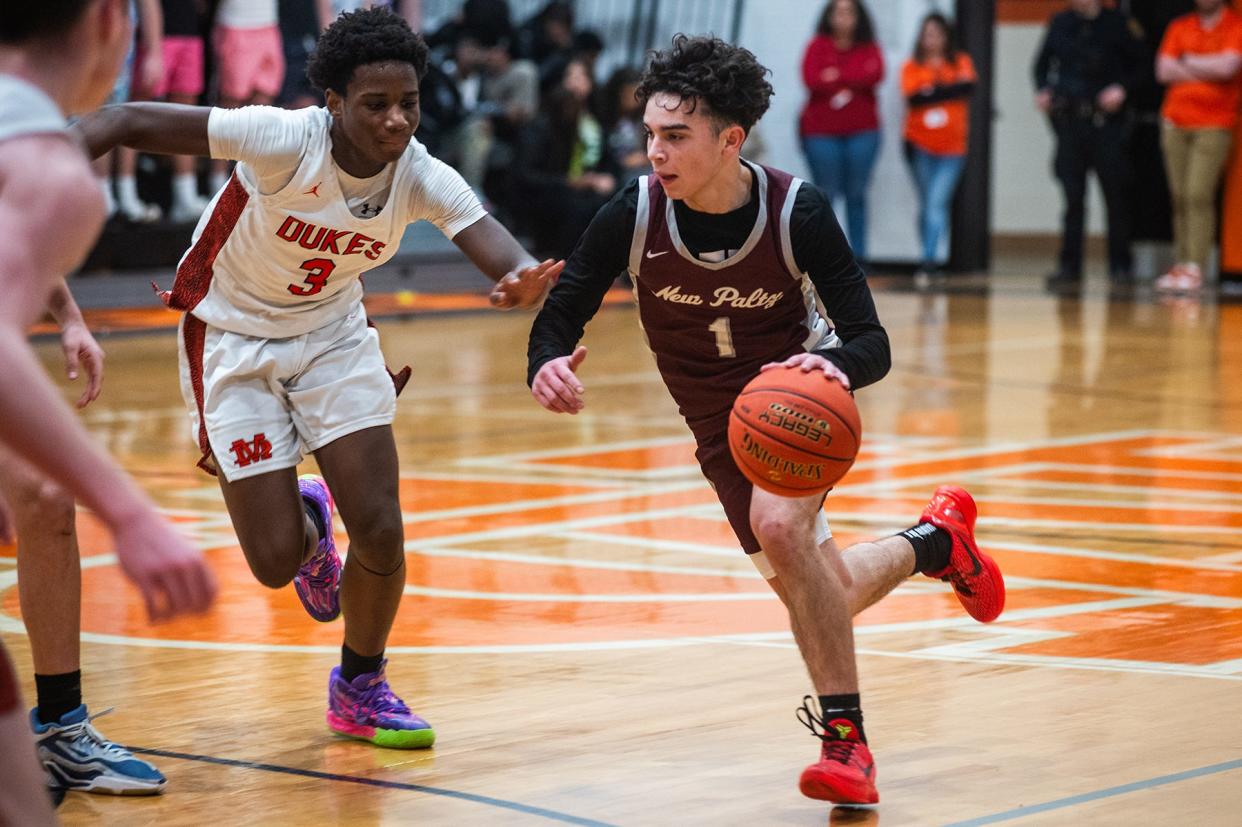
[{"x": 512, "y": 105}]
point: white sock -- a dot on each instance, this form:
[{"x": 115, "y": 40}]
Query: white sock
[
  {"x": 127, "y": 192},
  {"x": 185, "y": 188},
  {"x": 105, "y": 187}
]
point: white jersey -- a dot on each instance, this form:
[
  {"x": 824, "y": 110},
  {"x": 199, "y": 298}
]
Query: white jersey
[
  {"x": 246, "y": 14},
  {"x": 279, "y": 252},
  {"x": 25, "y": 109}
]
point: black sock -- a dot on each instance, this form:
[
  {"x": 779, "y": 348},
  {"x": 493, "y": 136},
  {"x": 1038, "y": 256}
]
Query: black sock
[
  {"x": 354, "y": 664},
  {"x": 315, "y": 518},
  {"x": 932, "y": 547},
  {"x": 848, "y": 707},
  {"x": 58, "y": 694}
]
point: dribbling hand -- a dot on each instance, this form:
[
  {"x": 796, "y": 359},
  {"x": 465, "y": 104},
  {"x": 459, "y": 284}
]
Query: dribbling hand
[
  {"x": 556, "y": 386},
  {"x": 809, "y": 362},
  {"x": 168, "y": 571}
]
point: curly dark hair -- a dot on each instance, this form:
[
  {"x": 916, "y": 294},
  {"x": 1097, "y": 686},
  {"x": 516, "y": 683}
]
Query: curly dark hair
[
  {"x": 357, "y": 38},
  {"x": 727, "y": 79}
]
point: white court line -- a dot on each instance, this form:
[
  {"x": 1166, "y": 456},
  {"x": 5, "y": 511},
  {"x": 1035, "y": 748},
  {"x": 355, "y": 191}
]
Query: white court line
[
  {"x": 536, "y": 597},
  {"x": 747, "y": 573},
  {"x": 1180, "y": 497},
  {"x": 652, "y": 544},
  {"x": 1205, "y": 564},
  {"x": 1107, "y": 470},
  {"x": 903, "y": 520},
  {"x": 578, "y": 450},
  {"x": 546, "y": 502}
]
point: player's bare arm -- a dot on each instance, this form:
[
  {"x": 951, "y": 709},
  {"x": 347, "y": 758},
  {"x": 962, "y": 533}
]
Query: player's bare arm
[
  {"x": 77, "y": 343},
  {"x": 163, "y": 128},
  {"x": 521, "y": 282},
  {"x": 50, "y": 215}
]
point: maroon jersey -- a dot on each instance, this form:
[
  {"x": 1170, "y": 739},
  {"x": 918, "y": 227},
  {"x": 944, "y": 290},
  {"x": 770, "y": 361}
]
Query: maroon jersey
[{"x": 712, "y": 325}]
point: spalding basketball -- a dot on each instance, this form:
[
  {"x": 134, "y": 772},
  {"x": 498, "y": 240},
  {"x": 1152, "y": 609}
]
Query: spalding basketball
[{"x": 794, "y": 433}]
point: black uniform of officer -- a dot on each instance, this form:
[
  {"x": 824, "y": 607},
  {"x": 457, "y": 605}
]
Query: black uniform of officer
[{"x": 1091, "y": 60}]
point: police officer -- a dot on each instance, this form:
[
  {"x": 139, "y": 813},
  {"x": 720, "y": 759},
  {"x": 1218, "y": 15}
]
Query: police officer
[{"x": 1091, "y": 61}]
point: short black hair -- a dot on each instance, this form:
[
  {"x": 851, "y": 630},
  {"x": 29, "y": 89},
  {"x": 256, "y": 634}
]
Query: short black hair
[
  {"x": 727, "y": 79},
  {"x": 373, "y": 35},
  {"x": 22, "y": 21}
]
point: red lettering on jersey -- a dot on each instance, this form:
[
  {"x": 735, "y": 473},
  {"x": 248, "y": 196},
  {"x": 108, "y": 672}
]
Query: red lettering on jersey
[
  {"x": 357, "y": 243},
  {"x": 376, "y": 249},
  {"x": 256, "y": 450},
  {"x": 328, "y": 245},
  {"x": 291, "y": 229},
  {"x": 307, "y": 241}
]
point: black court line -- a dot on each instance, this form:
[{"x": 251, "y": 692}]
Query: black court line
[
  {"x": 1074, "y": 800},
  {"x": 487, "y": 801}
]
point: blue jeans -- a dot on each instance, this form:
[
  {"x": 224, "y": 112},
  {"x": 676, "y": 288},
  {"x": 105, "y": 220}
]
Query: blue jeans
[
  {"x": 936, "y": 177},
  {"x": 841, "y": 166}
]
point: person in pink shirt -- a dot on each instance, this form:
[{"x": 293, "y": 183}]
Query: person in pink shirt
[{"x": 840, "y": 125}]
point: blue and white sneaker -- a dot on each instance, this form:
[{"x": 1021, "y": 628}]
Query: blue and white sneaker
[{"x": 76, "y": 757}]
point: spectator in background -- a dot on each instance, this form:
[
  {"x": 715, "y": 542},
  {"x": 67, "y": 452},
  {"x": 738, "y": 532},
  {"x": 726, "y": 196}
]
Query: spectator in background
[
  {"x": 937, "y": 83},
  {"x": 180, "y": 80},
  {"x": 250, "y": 60},
  {"x": 621, "y": 118},
  {"x": 1091, "y": 60},
  {"x": 476, "y": 16},
  {"x": 548, "y": 32},
  {"x": 840, "y": 124},
  {"x": 560, "y": 175},
  {"x": 300, "y": 23},
  {"x": 1200, "y": 60},
  {"x": 586, "y": 48},
  {"x": 126, "y": 202}
]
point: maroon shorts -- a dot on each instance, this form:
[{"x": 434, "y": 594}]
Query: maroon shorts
[{"x": 732, "y": 488}]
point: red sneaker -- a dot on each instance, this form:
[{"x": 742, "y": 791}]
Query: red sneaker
[
  {"x": 975, "y": 577},
  {"x": 845, "y": 771}
]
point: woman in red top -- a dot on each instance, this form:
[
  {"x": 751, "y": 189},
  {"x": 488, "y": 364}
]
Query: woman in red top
[
  {"x": 937, "y": 83},
  {"x": 840, "y": 126}
]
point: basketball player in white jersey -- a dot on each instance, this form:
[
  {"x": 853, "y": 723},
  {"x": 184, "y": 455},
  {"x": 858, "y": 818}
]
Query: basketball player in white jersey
[
  {"x": 60, "y": 56},
  {"x": 276, "y": 356}
]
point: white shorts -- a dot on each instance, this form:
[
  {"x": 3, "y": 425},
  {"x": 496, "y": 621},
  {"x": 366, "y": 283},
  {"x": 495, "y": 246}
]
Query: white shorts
[{"x": 258, "y": 405}]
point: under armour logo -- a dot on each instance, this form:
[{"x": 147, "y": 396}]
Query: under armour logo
[
  {"x": 313, "y": 190},
  {"x": 366, "y": 209},
  {"x": 256, "y": 450}
]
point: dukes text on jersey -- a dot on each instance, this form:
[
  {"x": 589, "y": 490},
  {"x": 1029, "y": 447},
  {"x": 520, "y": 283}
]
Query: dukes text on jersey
[{"x": 327, "y": 240}]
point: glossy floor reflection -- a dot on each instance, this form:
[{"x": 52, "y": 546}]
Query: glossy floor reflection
[{"x": 593, "y": 649}]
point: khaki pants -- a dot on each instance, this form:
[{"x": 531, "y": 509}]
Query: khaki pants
[{"x": 1194, "y": 160}]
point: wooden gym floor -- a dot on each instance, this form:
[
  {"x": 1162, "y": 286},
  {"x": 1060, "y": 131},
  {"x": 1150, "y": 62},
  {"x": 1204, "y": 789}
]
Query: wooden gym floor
[{"x": 593, "y": 650}]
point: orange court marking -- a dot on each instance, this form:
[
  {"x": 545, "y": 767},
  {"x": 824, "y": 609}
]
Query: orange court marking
[{"x": 503, "y": 573}]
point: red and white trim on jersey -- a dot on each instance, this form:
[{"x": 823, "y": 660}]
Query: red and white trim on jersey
[{"x": 195, "y": 271}]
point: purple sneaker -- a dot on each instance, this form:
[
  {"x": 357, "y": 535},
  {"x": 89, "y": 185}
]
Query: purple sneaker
[
  {"x": 318, "y": 582},
  {"x": 365, "y": 708}
]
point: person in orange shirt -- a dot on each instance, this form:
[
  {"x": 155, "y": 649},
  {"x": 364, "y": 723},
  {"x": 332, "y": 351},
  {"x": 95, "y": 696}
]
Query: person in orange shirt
[
  {"x": 937, "y": 83},
  {"x": 1200, "y": 60}
]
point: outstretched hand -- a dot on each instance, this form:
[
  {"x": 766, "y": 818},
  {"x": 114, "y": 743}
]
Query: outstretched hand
[
  {"x": 526, "y": 287},
  {"x": 557, "y": 387},
  {"x": 809, "y": 362}
]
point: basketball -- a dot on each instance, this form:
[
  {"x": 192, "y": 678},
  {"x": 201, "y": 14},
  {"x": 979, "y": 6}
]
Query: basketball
[{"x": 794, "y": 433}]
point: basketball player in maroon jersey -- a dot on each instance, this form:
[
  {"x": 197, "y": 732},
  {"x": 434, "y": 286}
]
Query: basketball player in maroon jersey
[{"x": 727, "y": 259}]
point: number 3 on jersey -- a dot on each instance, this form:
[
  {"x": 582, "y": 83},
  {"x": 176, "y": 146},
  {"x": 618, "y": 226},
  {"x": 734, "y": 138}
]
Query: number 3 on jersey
[
  {"x": 724, "y": 337},
  {"x": 318, "y": 270}
]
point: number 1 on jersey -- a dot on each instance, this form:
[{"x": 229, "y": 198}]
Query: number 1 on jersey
[
  {"x": 318, "y": 270},
  {"x": 724, "y": 337}
]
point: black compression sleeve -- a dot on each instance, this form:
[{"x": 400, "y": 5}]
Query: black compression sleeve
[{"x": 601, "y": 255}]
